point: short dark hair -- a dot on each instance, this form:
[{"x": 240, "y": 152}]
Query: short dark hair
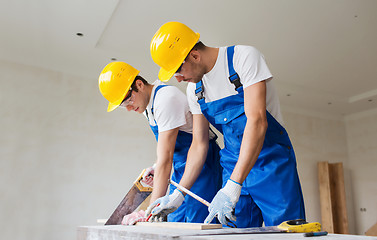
[
  {"x": 138, "y": 77},
  {"x": 199, "y": 46}
]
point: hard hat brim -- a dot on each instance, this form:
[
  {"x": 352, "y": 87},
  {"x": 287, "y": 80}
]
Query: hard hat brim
[
  {"x": 165, "y": 76},
  {"x": 112, "y": 106}
]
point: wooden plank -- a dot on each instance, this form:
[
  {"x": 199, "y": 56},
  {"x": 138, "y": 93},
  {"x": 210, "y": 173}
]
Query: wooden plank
[
  {"x": 198, "y": 226},
  {"x": 325, "y": 197},
  {"x": 372, "y": 231},
  {"x": 338, "y": 196}
]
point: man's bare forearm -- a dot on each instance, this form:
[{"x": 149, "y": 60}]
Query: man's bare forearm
[
  {"x": 197, "y": 154},
  {"x": 254, "y": 132},
  {"x": 165, "y": 153},
  {"x": 194, "y": 164},
  {"x": 251, "y": 146}
]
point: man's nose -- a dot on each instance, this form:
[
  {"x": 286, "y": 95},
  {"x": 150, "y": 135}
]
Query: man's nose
[{"x": 129, "y": 107}]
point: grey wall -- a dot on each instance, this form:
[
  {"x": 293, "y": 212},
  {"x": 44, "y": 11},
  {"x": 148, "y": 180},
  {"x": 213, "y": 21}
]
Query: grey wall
[{"x": 66, "y": 162}]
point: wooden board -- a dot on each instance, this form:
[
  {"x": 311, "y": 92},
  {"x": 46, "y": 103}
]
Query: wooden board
[
  {"x": 338, "y": 197},
  {"x": 325, "y": 197},
  {"x": 372, "y": 231},
  {"x": 332, "y": 197},
  {"x": 198, "y": 226}
]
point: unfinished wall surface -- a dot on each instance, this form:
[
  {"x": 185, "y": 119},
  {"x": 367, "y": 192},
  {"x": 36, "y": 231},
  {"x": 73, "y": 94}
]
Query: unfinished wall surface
[
  {"x": 362, "y": 151},
  {"x": 316, "y": 139},
  {"x": 66, "y": 162}
]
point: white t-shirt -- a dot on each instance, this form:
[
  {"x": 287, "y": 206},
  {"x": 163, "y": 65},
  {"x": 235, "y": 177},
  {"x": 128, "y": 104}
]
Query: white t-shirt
[
  {"x": 170, "y": 109},
  {"x": 251, "y": 67}
]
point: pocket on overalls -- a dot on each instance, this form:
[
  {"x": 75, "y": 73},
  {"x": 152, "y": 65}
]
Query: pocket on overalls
[{"x": 233, "y": 122}]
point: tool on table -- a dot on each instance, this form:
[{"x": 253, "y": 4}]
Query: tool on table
[
  {"x": 315, "y": 234},
  {"x": 135, "y": 196},
  {"x": 291, "y": 226},
  {"x": 300, "y": 226},
  {"x": 185, "y": 190}
]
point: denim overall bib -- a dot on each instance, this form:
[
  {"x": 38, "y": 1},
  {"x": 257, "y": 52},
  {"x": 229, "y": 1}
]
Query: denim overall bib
[
  {"x": 207, "y": 184},
  {"x": 271, "y": 192}
]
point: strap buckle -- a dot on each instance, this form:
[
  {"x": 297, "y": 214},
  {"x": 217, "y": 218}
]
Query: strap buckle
[
  {"x": 235, "y": 80},
  {"x": 199, "y": 93}
]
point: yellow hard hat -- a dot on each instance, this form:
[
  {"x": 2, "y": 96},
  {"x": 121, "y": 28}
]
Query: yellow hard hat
[
  {"x": 170, "y": 46},
  {"x": 114, "y": 82}
]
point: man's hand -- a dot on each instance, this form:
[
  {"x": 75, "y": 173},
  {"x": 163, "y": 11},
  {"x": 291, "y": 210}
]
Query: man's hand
[
  {"x": 147, "y": 180},
  {"x": 224, "y": 203},
  {"x": 133, "y": 218},
  {"x": 165, "y": 205}
]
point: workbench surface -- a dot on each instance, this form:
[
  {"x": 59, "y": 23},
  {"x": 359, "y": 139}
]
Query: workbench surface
[{"x": 120, "y": 232}]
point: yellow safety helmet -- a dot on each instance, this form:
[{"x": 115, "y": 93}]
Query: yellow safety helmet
[
  {"x": 170, "y": 46},
  {"x": 114, "y": 82}
]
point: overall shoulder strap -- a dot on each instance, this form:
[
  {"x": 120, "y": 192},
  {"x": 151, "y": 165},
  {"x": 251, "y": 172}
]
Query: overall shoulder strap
[
  {"x": 199, "y": 91},
  {"x": 146, "y": 112},
  {"x": 154, "y": 95},
  {"x": 233, "y": 76}
]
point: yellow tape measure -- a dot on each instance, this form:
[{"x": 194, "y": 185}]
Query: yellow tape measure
[{"x": 300, "y": 226}]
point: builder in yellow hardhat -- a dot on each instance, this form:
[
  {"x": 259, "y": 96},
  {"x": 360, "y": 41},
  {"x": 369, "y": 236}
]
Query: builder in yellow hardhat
[
  {"x": 167, "y": 112},
  {"x": 232, "y": 88}
]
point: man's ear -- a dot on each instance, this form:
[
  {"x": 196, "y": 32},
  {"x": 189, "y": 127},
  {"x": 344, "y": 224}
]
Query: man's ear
[
  {"x": 139, "y": 84},
  {"x": 195, "y": 55}
]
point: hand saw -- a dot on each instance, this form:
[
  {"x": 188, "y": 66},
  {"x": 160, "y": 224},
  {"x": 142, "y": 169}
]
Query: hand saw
[{"x": 135, "y": 196}]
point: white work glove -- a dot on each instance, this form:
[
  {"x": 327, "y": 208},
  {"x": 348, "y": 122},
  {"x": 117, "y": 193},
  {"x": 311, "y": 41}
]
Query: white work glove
[
  {"x": 147, "y": 180},
  {"x": 165, "y": 205},
  {"x": 224, "y": 202},
  {"x": 133, "y": 218}
]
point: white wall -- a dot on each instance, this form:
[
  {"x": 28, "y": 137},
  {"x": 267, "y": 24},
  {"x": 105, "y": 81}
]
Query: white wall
[
  {"x": 66, "y": 162},
  {"x": 316, "y": 139},
  {"x": 362, "y": 151}
]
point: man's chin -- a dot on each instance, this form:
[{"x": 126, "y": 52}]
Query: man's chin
[{"x": 190, "y": 80}]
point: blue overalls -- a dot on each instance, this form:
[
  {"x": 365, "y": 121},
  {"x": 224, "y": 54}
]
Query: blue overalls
[
  {"x": 271, "y": 192},
  {"x": 207, "y": 184}
]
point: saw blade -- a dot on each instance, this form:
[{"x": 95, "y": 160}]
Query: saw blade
[{"x": 135, "y": 196}]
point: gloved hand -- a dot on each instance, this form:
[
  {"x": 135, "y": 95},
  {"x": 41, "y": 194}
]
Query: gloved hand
[
  {"x": 133, "y": 218},
  {"x": 165, "y": 205},
  {"x": 224, "y": 203},
  {"x": 147, "y": 180}
]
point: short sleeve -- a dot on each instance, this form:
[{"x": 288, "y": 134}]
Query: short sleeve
[
  {"x": 192, "y": 99},
  {"x": 250, "y": 64},
  {"x": 170, "y": 107}
]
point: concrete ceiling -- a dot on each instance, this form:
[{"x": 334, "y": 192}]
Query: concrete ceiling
[{"x": 322, "y": 53}]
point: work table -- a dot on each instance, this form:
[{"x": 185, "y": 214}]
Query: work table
[{"x": 120, "y": 232}]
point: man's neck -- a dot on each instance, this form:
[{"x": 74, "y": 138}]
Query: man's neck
[
  {"x": 149, "y": 89},
  {"x": 210, "y": 59}
]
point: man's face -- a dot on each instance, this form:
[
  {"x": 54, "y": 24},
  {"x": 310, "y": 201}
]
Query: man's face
[
  {"x": 190, "y": 70},
  {"x": 138, "y": 100}
]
